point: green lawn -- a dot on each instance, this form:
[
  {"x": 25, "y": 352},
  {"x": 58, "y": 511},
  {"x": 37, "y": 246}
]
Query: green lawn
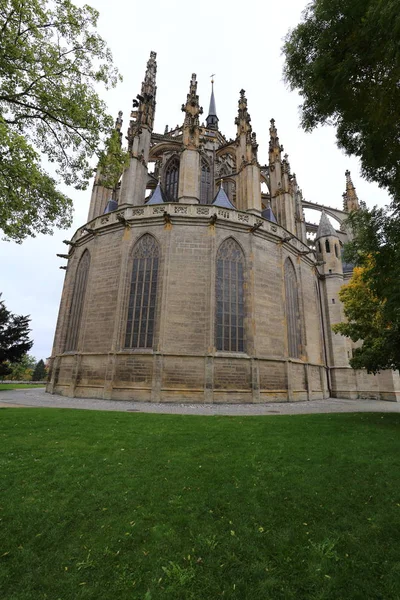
[
  {"x": 104, "y": 506},
  {"x": 20, "y": 386}
]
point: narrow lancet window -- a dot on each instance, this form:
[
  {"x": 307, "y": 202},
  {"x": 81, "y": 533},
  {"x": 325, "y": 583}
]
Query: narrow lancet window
[
  {"x": 230, "y": 297},
  {"x": 327, "y": 246},
  {"x": 205, "y": 183},
  {"x": 292, "y": 311},
  {"x": 78, "y": 299},
  {"x": 172, "y": 179},
  {"x": 143, "y": 294}
]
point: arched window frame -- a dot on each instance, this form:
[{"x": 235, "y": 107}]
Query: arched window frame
[
  {"x": 293, "y": 314},
  {"x": 229, "y": 297},
  {"x": 205, "y": 182},
  {"x": 327, "y": 246},
  {"x": 171, "y": 179},
  {"x": 77, "y": 302},
  {"x": 142, "y": 297}
]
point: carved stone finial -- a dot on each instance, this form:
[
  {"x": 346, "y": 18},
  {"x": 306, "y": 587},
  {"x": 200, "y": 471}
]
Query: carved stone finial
[
  {"x": 193, "y": 110},
  {"x": 145, "y": 102}
]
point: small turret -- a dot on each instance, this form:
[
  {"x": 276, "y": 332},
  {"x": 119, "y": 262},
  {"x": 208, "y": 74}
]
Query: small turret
[
  {"x": 212, "y": 119},
  {"x": 328, "y": 248},
  {"x": 350, "y": 198}
]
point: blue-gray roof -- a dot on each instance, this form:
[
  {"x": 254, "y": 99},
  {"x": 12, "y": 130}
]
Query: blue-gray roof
[
  {"x": 157, "y": 197},
  {"x": 222, "y": 200},
  {"x": 268, "y": 214},
  {"x": 111, "y": 205}
]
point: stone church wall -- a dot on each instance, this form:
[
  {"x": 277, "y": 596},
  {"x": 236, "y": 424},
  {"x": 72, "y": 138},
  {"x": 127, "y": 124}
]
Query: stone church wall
[{"x": 184, "y": 363}]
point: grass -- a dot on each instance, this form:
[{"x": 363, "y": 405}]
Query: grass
[
  {"x": 20, "y": 386},
  {"x": 100, "y": 505}
]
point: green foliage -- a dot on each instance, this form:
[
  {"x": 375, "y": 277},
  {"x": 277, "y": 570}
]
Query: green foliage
[
  {"x": 39, "y": 373},
  {"x": 14, "y": 338},
  {"x": 51, "y": 60},
  {"x": 23, "y": 369},
  {"x": 113, "y": 161},
  {"x": 100, "y": 505},
  {"x": 344, "y": 59},
  {"x": 372, "y": 299},
  {"x": 20, "y": 386}
]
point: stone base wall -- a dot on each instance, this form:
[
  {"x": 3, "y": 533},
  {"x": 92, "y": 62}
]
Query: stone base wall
[
  {"x": 155, "y": 377},
  {"x": 358, "y": 384}
]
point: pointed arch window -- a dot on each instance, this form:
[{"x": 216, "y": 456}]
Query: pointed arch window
[
  {"x": 172, "y": 179},
  {"x": 292, "y": 311},
  {"x": 143, "y": 294},
  {"x": 78, "y": 299},
  {"x": 327, "y": 246},
  {"x": 230, "y": 297},
  {"x": 205, "y": 183}
]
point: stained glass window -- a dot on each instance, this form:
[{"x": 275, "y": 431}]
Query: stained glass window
[
  {"x": 172, "y": 179},
  {"x": 205, "y": 183},
  {"x": 230, "y": 297},
  {"x": 143, "y": 294},
  {"x": 292, "y": 311},
  {"x": 78, "y": 298}
]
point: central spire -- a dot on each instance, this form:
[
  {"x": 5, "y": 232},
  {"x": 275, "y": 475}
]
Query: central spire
[{"x": 212, "y": 119}]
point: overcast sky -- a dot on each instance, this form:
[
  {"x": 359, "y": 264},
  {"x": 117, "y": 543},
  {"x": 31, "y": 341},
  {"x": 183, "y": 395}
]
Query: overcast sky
[{"x": 239, "y": 41}]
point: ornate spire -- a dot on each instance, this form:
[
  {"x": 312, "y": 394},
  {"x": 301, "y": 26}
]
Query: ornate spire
[
  {"x": 275, "y": 149},
  {"x": 350, "y": 198},
  {"x": 144, "y": 104},
  {"x": 243, "y": 119},
  {"x": 192, "y": 111},
  {"x": 244, "y": 128},
  {"x": 212, "y": 119}
]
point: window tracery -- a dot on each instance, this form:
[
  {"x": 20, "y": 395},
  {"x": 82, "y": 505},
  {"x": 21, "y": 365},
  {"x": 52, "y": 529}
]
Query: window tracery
[
  {"x": 78, "y": 299},
  {"x": 143, "y": 294},
  {"x": 172, "y": 179},
  {"x": 205, "y": 183},
  {"x": 230, "y": 297},
  {"x": 292, "y": 311}
]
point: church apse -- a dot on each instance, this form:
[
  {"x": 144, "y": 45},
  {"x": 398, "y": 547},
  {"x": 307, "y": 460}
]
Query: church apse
[{"x": 191, "y": 284}]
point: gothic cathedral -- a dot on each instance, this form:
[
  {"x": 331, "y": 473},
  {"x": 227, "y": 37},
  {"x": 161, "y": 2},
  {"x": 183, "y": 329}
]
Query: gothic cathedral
[{"x": 189, "y": 283}]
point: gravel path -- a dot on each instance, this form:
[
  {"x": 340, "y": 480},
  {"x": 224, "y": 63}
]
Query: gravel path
[{"x": 38, "y": 397}]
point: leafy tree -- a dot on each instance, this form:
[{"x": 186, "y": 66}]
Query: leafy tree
[
  {"x": 51, "y": 59},
  {"x": 372, "y": 299},
  {"x": 113, "y": 161},
  {"x": 39, "y": 373},
  {"x": 14, "y": 338},
  {"x": 23, "y": 369},
  {"x": 344, "y": 59}
]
